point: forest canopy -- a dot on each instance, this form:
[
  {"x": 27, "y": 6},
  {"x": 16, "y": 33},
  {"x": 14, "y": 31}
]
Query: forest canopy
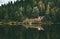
[{"x": 22, "y": 9}]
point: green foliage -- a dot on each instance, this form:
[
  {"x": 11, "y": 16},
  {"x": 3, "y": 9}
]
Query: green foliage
[{"x": 22, "y": 9}]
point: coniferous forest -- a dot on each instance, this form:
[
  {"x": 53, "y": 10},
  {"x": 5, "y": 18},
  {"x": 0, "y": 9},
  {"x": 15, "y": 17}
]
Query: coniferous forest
[{"x": 24, "y": 10}]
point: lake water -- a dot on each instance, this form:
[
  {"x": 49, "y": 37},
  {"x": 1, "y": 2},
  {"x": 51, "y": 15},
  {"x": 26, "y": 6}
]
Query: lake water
[{"x": 21, "y": 32}]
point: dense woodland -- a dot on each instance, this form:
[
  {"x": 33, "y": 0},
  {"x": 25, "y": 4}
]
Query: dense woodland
[{"x": 22, "y": 9}]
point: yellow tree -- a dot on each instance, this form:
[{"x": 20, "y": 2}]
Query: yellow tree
[
  {"x": 48, "y": 8},
  {"x": 41, "y": 6}
]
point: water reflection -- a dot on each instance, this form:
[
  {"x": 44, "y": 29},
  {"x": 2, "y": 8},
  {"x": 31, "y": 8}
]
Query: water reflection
[{"x": 21, "y": 32}]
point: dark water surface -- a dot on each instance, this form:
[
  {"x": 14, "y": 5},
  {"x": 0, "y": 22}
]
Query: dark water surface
[{"x": 20, "y": 32}]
